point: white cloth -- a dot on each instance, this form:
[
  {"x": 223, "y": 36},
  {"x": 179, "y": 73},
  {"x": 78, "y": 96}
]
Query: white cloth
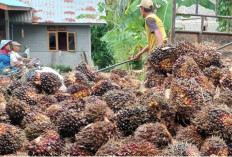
[{"x": 14, "y": 57}]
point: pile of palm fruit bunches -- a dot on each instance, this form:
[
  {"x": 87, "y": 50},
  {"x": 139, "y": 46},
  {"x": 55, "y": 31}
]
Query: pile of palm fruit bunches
[{"x": 186, "y": 109}]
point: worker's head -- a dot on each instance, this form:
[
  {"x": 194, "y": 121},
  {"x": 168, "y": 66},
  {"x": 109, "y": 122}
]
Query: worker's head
[
  {"x": 15, "y": 46},
  {"x": 146, "y": 7}
]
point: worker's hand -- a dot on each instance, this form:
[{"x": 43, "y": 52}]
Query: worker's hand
[{"x": 138, "y": 56}]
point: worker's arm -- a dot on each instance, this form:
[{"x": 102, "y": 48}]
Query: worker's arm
[
  {"x": 159, "y": 37},
  {"x": 138, "y": 56}
]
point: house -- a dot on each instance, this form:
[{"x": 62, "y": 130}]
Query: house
[{"x": 50, "y": 28}]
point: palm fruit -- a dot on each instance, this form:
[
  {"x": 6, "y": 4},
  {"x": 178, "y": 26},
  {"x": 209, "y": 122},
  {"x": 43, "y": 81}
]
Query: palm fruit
[
  {"x": 12, "y": 86},
  {"x": 54, "y": 111},
  {"x": 223, "y": 96},
  {"x": 163, "y": 58},
  {"x": 45, "y": 101},
  {"x": 168, "y": 81},
  {"x": 4, "y": 118},
  {"x": 128, "y": 119},
  {"x": 128, "y": 82},
  {"x": 206, "y": 58},
  {"x": 12, "y": 139},
  {"x": 120, "y": 72},
  {"x": 75, "y": 77},
  {"x": 69, "y": 123},
  {"x": 17, "y": 109},
  {"x": 79, "y": 91},
  {"x": 49, "y": 144},
  {"x": 107, "y": 76},
  {"x": 117, "y": 99},
  {"x": 154, "y": 78},
  {"x": 48, "y": 82},
  {"x": 215, "y": 120},
  {"x": 26, "y": 94},
  {"x": 35, "y": 129},
  {"x": 185, "y": 67},
  {"x": 34, "y": 117},
  {"x": 214, "y": 146},
  {"x": 226, "y": 80},
  {"x": 214, "y": 74},
  {"x": 93, "y": 136},
  {"x": 74, "y": 105},
  {"x": 75, "y": 150},
  {"x": 62, "y": 96},
  {"x": 155, "y": 133},
  {"x": 102, "y": 87},
  {"x": 162, "y": 109},
  {"x": 85, "y": 69},
  {"x": 141, "y": 148},
  {"x": 181, "y": 149},
  {"x": 188, "y": 97},
  {"x": 189, "y": 134},
  {"x": 97, "y": 111}
]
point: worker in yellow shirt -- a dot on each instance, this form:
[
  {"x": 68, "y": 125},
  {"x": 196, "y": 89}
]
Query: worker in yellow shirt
[{"x": 155, "y": 31}]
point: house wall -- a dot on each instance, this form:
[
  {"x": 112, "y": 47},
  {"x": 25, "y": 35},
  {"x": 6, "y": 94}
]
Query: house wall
[{"x": 35, "y": 37}]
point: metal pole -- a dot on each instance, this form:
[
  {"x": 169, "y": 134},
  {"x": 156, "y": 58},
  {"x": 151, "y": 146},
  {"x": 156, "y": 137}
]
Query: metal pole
[
  {"x": 202, "y": 28},
  {"x": 216, "y": 8},
  {"x": 173, "y": 21},
  {"x": 228, "y": 26},
  {"x": 224, "y": 46},
  {"x": 197, "y": 6},
  {"x": 7, "y": 25}
]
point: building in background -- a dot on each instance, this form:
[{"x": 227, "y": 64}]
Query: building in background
[{"x": 51, "y": 29}]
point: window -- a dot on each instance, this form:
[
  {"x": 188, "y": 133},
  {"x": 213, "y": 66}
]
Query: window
[{"x": 61, "y": 40}]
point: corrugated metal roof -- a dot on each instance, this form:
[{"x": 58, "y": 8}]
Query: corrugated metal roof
[
  {"x": 65, "y": 11},
  {"x": 14, "y": 3}
]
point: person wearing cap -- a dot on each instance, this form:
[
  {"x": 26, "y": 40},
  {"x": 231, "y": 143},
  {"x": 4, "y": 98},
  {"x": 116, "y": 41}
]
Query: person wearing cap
[
  {"x": 155, "y": 31},
  {"x": 4, "y": 54},
  {"x": 15, "y": 59}
]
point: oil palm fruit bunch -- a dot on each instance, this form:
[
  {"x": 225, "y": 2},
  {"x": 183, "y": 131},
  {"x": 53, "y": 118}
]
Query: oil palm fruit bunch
[
  {"x": 154, "y": 78},
  {"x": 127, "y": 82},
  {"x": 62, "y": 96},
  {"x": 54, "y": 111},
  {"x": 188, "y": 97},
  {"x": 49, "y": 82},
  {"x": 5, "y": 81},
  {"x": 214, "y": 74},
  {"x": 75, "y": 77},
  {"x": 223, "y": 96},
  {"x": 168, "y": 81},
  {"x": 189, "y": 134},
  {"x": 48, "y": 144},
  {"x": 44, "y": 101},
  {"x": 215, "y": 120},
  {"x": 117, "y": 99},
  {"x": 79, "y": 91},
  {"x": 4, "y": 118},
  {"x": 128, "y": 120},
  {"x": 97, "y": 111},
  {"x": 74, "y": 105},
  {"x": 163, "y": 110},
  {"x": 75, "y": 150},
  {"x": 181, "y": 149},
  {"x": 13, "y": 85},
  {"x": 163, "y": 58},
  {"x": 185, "y": 48},
  {"x": 141, "y": 148},
  {"x": 155, "y": 133},
  {"x": 120, "y": 72},
  {"x": 102, "y": 87},
  {"x": 185, "y": 67},
  {"x": 214, "y": 146},
  {"x": 70, "y": 122},
  {"x": 33, "y": 117},
  {"x": 208, "y": 57},
  {"x": 94, "y": 135},
  {"x": 11, "y": 139},
  {"x": 35, "y": 129},
  {"x": 17, "y": 109},
  {"x": 226, "y": 80},
  {"x": 26, "y": 94},
  {"x": 86, "y": 70}
]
